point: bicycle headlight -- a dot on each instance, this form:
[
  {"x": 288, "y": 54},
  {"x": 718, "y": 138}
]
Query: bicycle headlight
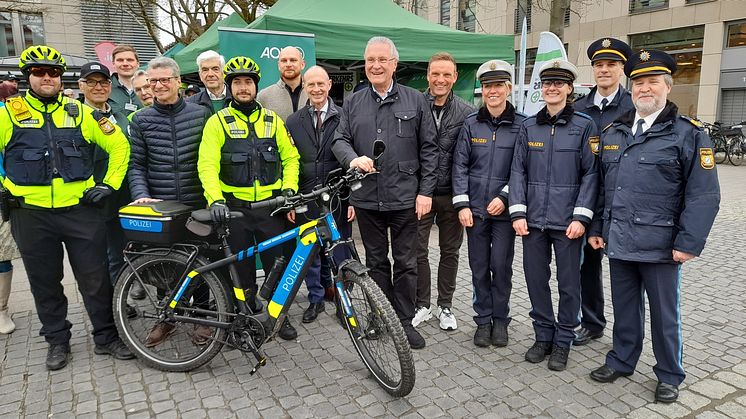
[
  {"x": 325, "y": 197},
  {"x": 356, "y": 185}
]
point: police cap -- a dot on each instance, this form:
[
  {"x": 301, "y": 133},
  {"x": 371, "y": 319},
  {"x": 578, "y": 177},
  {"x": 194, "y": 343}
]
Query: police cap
[
  {"x": 192, "y": 88},
  {"x": 494, "y": 71},
  {"x": 558, "y": 70},
  {"x": 609, "y": 49},
  {"x": 648, "y": 62},
  {"x": 94, "y": 67}
]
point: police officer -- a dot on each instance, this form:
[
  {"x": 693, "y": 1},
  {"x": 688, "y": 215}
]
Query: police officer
[
  {"x": 481, "y": 170},
  {"x": 48, "y": 144},
  {"x": 606, "y": 101},
  {"x": 659, "y": 195},
  {"x": 246, "y": 156},
  {"x": 553, "y": 190}
]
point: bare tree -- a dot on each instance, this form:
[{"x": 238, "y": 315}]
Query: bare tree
[{"x": 557, "y": 10}]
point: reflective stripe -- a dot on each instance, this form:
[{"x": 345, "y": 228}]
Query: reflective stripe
[
  {"x": 506, "y": 189},
  {"x": 460, "y": 198},
  {"x": 517, "y": 208},
  {"x": 583, "y": 211},
  {"x": 268, "y": 124}
]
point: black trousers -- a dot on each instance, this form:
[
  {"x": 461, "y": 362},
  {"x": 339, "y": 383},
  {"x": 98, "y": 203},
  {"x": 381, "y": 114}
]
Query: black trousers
[
  {"x": 255, "y": 227},
  {"x": 401, "y": 287},
  {"x": 592, "y": 290},
  {"x": 491, "y": 250},
  {"x": 115, "y": 244},
  {"x": 537, "y": 257},
  {"x": 40, "y": 235},
  {"x": 450, "y": 237}
]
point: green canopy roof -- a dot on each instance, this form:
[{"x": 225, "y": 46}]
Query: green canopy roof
[{"x": 343, "y": 27}]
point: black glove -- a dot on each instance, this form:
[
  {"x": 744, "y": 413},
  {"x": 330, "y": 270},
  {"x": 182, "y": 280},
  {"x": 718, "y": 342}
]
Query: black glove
[
  {"x": 219, "y": 212},
  {"x": 287, "y": 193},
  {"x": 96, "y": 195}
]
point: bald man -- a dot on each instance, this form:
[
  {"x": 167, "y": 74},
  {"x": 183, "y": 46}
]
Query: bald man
[{"x": 285, "y": 96}]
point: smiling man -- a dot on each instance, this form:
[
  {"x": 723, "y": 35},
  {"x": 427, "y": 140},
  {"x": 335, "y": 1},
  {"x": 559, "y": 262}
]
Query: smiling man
[
  {"x": 216, "y": 95},
  {"x": 287, "y": 94},
  {"x": 126, "y": 62}
]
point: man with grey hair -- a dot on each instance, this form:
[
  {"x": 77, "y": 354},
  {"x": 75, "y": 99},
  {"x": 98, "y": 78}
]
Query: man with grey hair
[
  {"x": 394, "y": 200},
  {"x": 287, "y": 94},
  {"x": 215, "y": 96}
]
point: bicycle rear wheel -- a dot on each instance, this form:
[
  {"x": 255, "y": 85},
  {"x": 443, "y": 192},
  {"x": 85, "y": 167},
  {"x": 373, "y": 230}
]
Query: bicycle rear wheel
[
  {"x": 377, "y": 334},
  {"x": 735, "y": 151},
  {"x": 160, "y": 341},
  {"x": 721, "y": 149}
]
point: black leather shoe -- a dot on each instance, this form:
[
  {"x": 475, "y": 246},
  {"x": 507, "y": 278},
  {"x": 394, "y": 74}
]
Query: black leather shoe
[
  {"x": 287, "y": 331},
  {"x": 558, "y": 358},
  {"x": 499, "y": 334},
  {"x": 538, "y": 351},
  {"x": 584, "y": 336},
  {"x": 57, "y": 356},
  {"x": 606, "y": 374},
  {"x": 416, "y": 341},
  {"x": 313, "y": 311},
  {"x": 482, "y": 335},
  {"x": 115, "y": 348},
  {"x": 666, "y": 393},
  {"x": 137, "y": 292}
]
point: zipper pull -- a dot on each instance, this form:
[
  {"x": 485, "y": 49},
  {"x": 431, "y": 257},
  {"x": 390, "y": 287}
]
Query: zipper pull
[
  {"x": 552, "y": 129},
  {"x": 494, "y": 134}
]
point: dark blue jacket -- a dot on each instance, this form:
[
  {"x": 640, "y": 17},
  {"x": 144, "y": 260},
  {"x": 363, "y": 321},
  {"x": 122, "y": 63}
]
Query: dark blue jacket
[
  {"x": 659, "y": 193},
  {"x": 482, "y": 160},
  {"x": 621, "y": 104},
  {"x": 554, "y": 177},
  {"x": 316, "y": 157}
]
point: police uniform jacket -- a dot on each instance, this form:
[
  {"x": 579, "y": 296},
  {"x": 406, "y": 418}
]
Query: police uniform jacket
[
  {"x": 316, "y": 157},
  {"x": 659, "y": 192},
  {"x": 554, "y": 176},
  {"x": 482, "y": 160},
  {"x": 408, "y": 166},
  {"x": 48, "y": 149},
  {"x": 620, "y": 104},
  {"x": 165, "y": 141},
  {"x": 246, "y": 157},
  {"x": 451, "y": 120}
]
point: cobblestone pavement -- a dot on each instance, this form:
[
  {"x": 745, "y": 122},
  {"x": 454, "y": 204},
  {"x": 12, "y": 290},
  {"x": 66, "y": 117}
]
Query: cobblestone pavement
[{"x": 319, "y": 375}]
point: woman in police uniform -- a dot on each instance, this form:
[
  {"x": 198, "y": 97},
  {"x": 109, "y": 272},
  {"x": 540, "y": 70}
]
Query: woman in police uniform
[{"x": 553, "y": 190}]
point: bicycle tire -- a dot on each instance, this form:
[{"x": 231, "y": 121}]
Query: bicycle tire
[
  {"x": 373, "y": 311},
  {"x": 735, "y": 151},
  {"x": 721, "y": 149},
  {"x": 178, "y": 351}
]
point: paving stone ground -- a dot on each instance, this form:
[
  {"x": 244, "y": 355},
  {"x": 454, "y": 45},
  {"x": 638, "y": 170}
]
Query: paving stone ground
[{"x": 319, "y": 375}]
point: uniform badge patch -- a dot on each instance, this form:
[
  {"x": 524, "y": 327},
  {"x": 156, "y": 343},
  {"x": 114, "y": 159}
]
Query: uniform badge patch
[
  {"x": 241, "y": 132},
  {"x": 479, "y": 141},
  {"x": 106, "y": 126},
  {"x": 595, "y": 144},
  {"x": 18, "y": 108},
  {"x": 706, "y": 159},
  {"x": 536, "y": 144}
]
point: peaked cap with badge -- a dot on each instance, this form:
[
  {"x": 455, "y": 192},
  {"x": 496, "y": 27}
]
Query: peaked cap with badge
[
  {"x": 648, "y": 62},
  {"x": 558, "y": 70},
  {"x": 609, "y": 49},
  {"x": 495, "y": 71}
]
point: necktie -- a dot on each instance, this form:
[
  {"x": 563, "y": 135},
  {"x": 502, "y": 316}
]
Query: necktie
[
  {"x": 604, "y": 102},
  {"x": 639, "y": 132},
  {"x": 319, "y": 121}
]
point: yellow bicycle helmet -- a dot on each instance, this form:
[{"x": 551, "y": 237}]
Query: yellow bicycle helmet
[
  {"x": 241, "y": 66},
  {"x": 41, "y": 55}
]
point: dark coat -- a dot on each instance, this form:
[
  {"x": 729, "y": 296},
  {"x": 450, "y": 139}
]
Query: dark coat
[
  {"x": 621, "y": 104},
  {"x": 203, "y": 99},
  {"x": 408, "y": 166},
  {"x": 659, "y": 192},
  {"x": 165, "y": 142}
]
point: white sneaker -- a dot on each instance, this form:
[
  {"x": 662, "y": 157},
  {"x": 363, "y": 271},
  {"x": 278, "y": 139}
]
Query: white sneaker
[
  {"x": 447, "y": 319},
  {"x": 421, "y": 314}
]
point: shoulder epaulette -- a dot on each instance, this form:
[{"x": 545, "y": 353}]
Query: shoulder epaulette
[
  {"x": 692, "y": 121},
  {"x": 586, "y": 116},
  {"x": 521, "y": 114},
  {"x": 607, "y": 127}
]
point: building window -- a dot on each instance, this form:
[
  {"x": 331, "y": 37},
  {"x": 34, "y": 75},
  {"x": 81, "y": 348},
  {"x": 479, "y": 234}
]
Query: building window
[
  {"x": 445, "y": 12},
  {"x": 18, "y": 31},
  {"x": 644, "y": 6},
  {"x": 466, "y": 18},
  {"x": 698, "y": 1},
  {"x": 685, "y": 45},
  {"x": 523, "y": 9},
  {"x": 736, "y": 35},
  {"x": 567, "y": 17}
]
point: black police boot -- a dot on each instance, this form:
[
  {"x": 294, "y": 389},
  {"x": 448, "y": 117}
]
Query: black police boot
[
  {"x": 499, "y": 333},
  {"x": 115, "y": 348},
  {"x": 666, "y": 393},
  {"x": 482, "y": 335},
  {"x": 287, "y": 331},
  {"x": 538, "y": 351},
  {"x": 558, "y": 358},
  {"x": 57, "y": 356}
]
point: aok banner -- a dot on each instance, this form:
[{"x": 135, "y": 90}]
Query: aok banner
[{"x": 264, "y": 48}]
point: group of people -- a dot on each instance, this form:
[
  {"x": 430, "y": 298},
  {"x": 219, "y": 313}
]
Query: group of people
[{"x": 616, "y": 171}]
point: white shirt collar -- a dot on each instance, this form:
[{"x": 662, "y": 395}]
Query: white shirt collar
[
  {"x": 220, "y": 97},
  {"x": 597, "y": 98},
  {"x": 648, "y": 121},
  {"x": 384, "y": 96}
]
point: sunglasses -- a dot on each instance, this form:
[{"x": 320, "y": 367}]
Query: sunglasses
[{"x": 48, "y": 71}]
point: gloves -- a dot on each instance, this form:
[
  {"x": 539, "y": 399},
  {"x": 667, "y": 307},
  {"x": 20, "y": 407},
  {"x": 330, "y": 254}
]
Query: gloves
[
  {"x": 219, "y": 212},
  {"x": 287, "y": 193},
  {"x": 95, "y": 195}
]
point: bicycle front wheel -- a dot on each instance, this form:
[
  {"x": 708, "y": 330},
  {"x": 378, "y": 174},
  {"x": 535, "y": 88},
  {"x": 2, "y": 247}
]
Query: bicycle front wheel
[
  {"x": 735, "y": 151},
  {"x": 377, "y": 334},
  {"x": 165, "y": 342}
]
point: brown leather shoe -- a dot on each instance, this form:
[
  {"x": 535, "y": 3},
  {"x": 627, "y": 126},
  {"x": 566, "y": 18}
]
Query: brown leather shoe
[
  {"x": 159, "y": 333},
  {"x": 202, "y": 334}
]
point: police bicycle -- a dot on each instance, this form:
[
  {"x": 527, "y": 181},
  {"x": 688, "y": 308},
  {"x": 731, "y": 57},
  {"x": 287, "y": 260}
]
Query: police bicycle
[{"x": 200, "y": 304}]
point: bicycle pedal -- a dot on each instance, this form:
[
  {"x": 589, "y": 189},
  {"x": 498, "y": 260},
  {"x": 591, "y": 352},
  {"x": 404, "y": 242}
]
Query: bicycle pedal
[{"x": 262, "y": 362}]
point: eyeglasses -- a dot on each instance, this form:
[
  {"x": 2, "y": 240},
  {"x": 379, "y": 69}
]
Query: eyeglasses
[
  {"x": 379, "y": 60},
  {"x": 163, "y": 80},
  {"x": 48, "y": 71},
  {"x": 93, "y": 83},
  {"x": 556, "y": 83}
]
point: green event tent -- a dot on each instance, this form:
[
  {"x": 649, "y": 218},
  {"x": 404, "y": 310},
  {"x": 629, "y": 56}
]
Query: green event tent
[{"x": 187, "y": 56}]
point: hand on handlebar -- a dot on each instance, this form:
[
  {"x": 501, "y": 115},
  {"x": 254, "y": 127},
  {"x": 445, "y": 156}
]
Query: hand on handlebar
[
  {"x": 364, "y": 163},
  {"x": 219, "y": 212}
]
